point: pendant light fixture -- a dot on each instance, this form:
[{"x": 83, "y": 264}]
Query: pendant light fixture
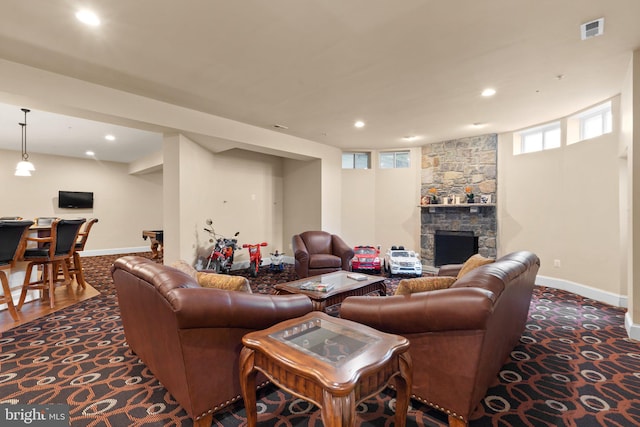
[{"x": 24, "y": 167}]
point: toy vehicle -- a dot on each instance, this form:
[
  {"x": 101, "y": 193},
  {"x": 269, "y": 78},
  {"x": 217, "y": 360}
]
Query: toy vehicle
[
  {"x": 398, "y": 260},
  {"x": 221, "y": 257},
  {"x": 255, "y": 257},
  {"x": 366, "y": 258},
  {"x": 277, "y": 262}
]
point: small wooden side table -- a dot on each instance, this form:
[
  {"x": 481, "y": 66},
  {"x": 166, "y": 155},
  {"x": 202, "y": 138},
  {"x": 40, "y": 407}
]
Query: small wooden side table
[
  {"x": 156, "y": 239},
  {"x": 333, "y": 363}
]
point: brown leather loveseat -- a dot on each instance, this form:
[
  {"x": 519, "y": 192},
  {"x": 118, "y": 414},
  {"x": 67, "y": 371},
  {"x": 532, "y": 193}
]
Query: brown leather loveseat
[
  {"x": 190, "y": 336},
  {"x": 319, "y": 252},
  {"x": 461, "y": 335}
]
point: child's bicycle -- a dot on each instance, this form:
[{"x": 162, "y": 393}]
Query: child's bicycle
[{"x": 255, "y": 257}]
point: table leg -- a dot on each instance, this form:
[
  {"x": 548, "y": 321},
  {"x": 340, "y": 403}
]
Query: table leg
[
  {"x": 154, "y": 248},
  {"x": 338, "y": 411},
  {"x": 403, "y": 389},
  {"x": 248, "y": 384}
]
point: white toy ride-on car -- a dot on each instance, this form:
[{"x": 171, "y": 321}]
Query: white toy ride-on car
[{"x": 398, "y": 260}]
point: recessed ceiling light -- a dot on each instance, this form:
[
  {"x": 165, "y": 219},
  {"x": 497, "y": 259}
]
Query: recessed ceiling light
[
  {"x": 359, "y": 124},
  {"x": 277, "y": 126},
  {"x": 410, "y": 137},
  {"x": 90, "y": 153},
  {"x": 88, "y": 17},
  {"x": 488, "y": 92},
  {"x": 110, "y": 137},
  {"x": 478, "y": 125}
]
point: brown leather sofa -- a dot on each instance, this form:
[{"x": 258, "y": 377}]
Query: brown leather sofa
[
  {"x": 190, "y": 336},
  {"x": 460, "y": 336},
  {"x": 319, "y": 252}
]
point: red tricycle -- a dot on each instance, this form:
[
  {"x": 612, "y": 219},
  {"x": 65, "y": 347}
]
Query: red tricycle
[{"x": 255, "y": 257}]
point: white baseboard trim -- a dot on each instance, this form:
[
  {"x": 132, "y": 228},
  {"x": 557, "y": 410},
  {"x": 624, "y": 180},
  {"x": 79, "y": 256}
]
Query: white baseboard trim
[
  {"x": 115, "y": 251},
  {"x": 266, "y": 262},
  {"x": 583, "y": 290},
  {"x": 633, "y": 329}
]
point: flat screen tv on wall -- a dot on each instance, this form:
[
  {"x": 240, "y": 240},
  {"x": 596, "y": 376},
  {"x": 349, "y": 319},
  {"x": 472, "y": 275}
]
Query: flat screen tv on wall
[{"x": 75, "y": 199}]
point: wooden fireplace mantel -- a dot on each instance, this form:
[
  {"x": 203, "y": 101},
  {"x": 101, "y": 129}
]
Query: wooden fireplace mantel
[{"x": 473, "y": 207}]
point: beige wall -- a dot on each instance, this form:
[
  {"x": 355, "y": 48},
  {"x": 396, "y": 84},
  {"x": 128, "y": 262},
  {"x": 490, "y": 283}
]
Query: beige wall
[
  {"x": 124, "y": 204},
  {"x": 380, "y": 206},
  {"x": 331, "y": 191},
  {"x": 562, "y": 204},
  {"x": 302, "y": 199},
  {"x": 240, "y": 191},
  {"x": 359, "y": 212}
]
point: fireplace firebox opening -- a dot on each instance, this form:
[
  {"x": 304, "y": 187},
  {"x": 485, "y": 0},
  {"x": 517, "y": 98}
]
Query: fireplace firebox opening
[{"x": 454, "y": 247}]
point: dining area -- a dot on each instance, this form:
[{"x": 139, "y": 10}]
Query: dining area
[{"x": 37, "y": 257}]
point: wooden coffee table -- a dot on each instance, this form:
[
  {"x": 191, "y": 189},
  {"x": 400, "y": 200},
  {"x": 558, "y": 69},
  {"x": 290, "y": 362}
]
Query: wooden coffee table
[
  {"x": 342, "y": 287},
  {"x": 333, "y": 363}
]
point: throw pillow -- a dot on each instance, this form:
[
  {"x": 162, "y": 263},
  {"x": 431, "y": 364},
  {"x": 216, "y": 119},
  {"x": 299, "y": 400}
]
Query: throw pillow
[
  {"x": 223, "y": 281},
  {"x": 423, "y": 284},
  {"x": 472, "y": 263},
  {"x": 185, "y": 268}
]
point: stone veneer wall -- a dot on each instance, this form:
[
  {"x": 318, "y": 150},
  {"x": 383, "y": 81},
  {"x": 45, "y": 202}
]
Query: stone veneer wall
[{"x": 449, "y": 167}]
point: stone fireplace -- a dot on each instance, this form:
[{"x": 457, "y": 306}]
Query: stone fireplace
[{"x": 449, "y": 167}]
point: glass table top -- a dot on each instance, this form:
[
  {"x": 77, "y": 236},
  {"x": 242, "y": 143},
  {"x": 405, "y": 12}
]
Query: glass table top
[{"x": 325, "y": 340}]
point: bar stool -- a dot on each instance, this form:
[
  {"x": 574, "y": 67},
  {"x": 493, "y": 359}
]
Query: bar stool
[
  {"x": 12, "y": 244},
  {"x": 75, "y": 269},
  {"x": 55, "y": 251}
]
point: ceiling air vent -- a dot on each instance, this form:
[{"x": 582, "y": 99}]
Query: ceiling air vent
[{"x": 592, "y": 29}]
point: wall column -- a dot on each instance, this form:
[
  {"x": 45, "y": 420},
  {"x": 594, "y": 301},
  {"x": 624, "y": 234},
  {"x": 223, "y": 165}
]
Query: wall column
[{"x": 632, "y": 321}]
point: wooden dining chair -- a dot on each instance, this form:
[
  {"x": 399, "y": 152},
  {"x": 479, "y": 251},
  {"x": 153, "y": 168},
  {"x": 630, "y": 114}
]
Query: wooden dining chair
[
  {"x": 53, "y": 255},
  {"x": 12, "y": 243},
  {"x": 75, "y": 267}
]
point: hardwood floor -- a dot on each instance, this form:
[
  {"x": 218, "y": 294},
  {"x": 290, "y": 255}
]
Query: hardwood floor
[{"x": 65, "y": 296}]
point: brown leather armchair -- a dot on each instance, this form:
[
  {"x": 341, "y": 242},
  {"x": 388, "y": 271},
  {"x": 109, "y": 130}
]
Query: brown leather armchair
[
  {"x": 190, "y": 337},
  {"x": 460, "y": 336},
  {"x": 319, "y": 252}
]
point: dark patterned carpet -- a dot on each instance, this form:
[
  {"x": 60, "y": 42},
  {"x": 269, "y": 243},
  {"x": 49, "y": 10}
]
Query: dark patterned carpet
[{"x": 574, "y": 366}]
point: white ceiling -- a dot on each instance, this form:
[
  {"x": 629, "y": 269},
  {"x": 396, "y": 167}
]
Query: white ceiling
[
  {"x": 405, "y": 67},
  {"x": 62, "y": 135}
]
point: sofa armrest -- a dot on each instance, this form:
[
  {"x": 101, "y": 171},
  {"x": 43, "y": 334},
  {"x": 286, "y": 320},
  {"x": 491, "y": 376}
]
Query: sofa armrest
[
  {"x": 301, "y": 256},
  {"x": 341, "y": 249},
  {"x": 434, "y": 311},
  {"x": 450, "y": 270},
  {"x": 214, "y": 308}
]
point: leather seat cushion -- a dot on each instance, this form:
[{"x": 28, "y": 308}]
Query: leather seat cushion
[
  {"x": 324, "y": 261},
  {"x": 36, "y": 253}
]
